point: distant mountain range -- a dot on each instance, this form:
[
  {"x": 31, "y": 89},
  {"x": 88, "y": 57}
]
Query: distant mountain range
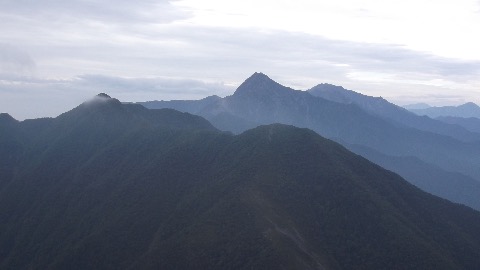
[
  {"x": 354, "y": 119},
  {"x": 466, "y": 110},
  {"x": 391, "y": 112},
  {"x": 470, "y": 123},
  {"x": 416, "y": 106},
  {"x": 118, "y": 186}
]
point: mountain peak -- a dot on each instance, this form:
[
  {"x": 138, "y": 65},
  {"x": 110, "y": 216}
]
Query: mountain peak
[
  {"x": 260, "y": 84},
  {"x": 99, "y": 103},
  {"x": 7, "y": 118},
  {"x": 103, "y": 95},
  {"x": 416, "y": 106},
  {"x": 469, "y": 105},
  {"x": 337, "y": 93},
  {"x": 328, "y": 87},
  {"x": 259, "y": 77}
]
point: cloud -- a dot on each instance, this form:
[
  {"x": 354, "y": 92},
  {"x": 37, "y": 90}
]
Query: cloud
[
  {"x": 119, "y": 11},
  {"x": 28, "y": 97},
  {"x": 144, "y": 50},
  {"x": 286, "y": 53},
  {"x": 158, "y": 87},
  {"x": 14, "y": 61},
  {"x": 131, "y": 39}
]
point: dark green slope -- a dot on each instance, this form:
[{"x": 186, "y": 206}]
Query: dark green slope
[
  {"x": 135, "y": 192},
  {"x": 10, "y": 147},
  {"x": 66, "y": 181}
]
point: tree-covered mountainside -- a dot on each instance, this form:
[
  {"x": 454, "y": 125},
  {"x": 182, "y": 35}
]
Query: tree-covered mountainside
[
  {"x": 354, "y": 119},
  {"x": 117, "y": 186}
]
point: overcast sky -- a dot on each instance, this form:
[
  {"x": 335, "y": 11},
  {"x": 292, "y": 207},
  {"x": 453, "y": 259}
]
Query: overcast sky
[{"x": 55, "y": 54}]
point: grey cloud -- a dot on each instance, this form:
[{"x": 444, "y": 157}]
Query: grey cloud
[
  {"x": 252, "y": 48},
  {"x": 14, "y": 61},
  {"x": 25, "y": 97},
  {"x": 139, "y": 61},
  {"x": 371, "y": 57},
  {"x": 156, "y": 87},
  {"x": 138, "y": 49},
  {"x": 120, "y": 11}
]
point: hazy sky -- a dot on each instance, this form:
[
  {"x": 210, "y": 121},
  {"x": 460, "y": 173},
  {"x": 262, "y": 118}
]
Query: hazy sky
[{"x": 55, "y": 54}]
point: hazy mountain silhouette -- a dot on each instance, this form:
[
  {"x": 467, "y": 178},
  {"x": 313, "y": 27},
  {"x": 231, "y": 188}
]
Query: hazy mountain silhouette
[
  {"x": 453, "y": 186},
  {"x": 470, "y": 123},
  {"x": 260, "y": 100},
  {"x": 466, "y": 110},
  {"x": 116, "y": 186},
  {"x": 395, "y": 114},
  {"x": 416, "y": 106},
  {"x": 190, "y": 106}
]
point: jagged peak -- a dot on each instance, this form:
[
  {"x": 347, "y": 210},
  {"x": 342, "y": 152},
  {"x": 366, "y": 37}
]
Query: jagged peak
[
  {"x": 259, "y": 77},
  {"x": 259, "y": 83},
  {"x": 331, "y": 89},
  {"x": 102, "y": 98},
  {"x": 5, "y": 117},
  {"x": 101, "y": 101},
  {"x": 336, "y": 89},
  {"x": 328, "y": 86},
  {"x": 469, "y": 105},
  {"x": 103, "y": 95},
  {"x": 212, "y": 97}
]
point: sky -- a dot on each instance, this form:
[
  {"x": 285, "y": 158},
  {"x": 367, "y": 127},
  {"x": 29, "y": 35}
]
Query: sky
[{"x": 56, "y": 54}]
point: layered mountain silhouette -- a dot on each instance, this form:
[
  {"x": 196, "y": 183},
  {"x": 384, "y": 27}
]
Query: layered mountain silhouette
[
  {"x": 415, "y": 106},
  {"x": 470, "y": 123},
  {"x": 190, "y": 106},
  {"x": 454, "y": 186},
  {"x": 117, "y": 186},
  {"x": 393, "y": 113},
  {"x": 353, "y": 119},
  {"x": 466, "y": 110}
]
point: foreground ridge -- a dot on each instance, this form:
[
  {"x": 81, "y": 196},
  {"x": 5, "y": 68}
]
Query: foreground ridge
[{"x": 123, "y": 187}]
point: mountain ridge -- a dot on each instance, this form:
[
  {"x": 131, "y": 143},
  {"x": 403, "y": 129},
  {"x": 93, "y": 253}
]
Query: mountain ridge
[
  {"x": 377, "y": 124},
  {"x": 384, "y": 109},
  {"x": 260, "y": 84},
  {"x": 465, "y": 110},
  {"x": 277, "y": 196},
  {"x": 470, "y": 123}
]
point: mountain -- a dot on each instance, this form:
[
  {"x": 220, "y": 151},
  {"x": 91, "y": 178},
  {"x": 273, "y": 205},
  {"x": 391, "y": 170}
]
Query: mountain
[
  {"x": 116, "y": 186},
  {"x": 466, "y": 110},
  {"x": 10, "y": 147},
  {"x": 452, "y": 186},
  {"x": 190, "y": 106},
  {"x": 260, "y": 100},
  {"x": 391, "y": 112},
  {"x": 416, "y": 106},
  {"x": 470, "y": 123}
]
